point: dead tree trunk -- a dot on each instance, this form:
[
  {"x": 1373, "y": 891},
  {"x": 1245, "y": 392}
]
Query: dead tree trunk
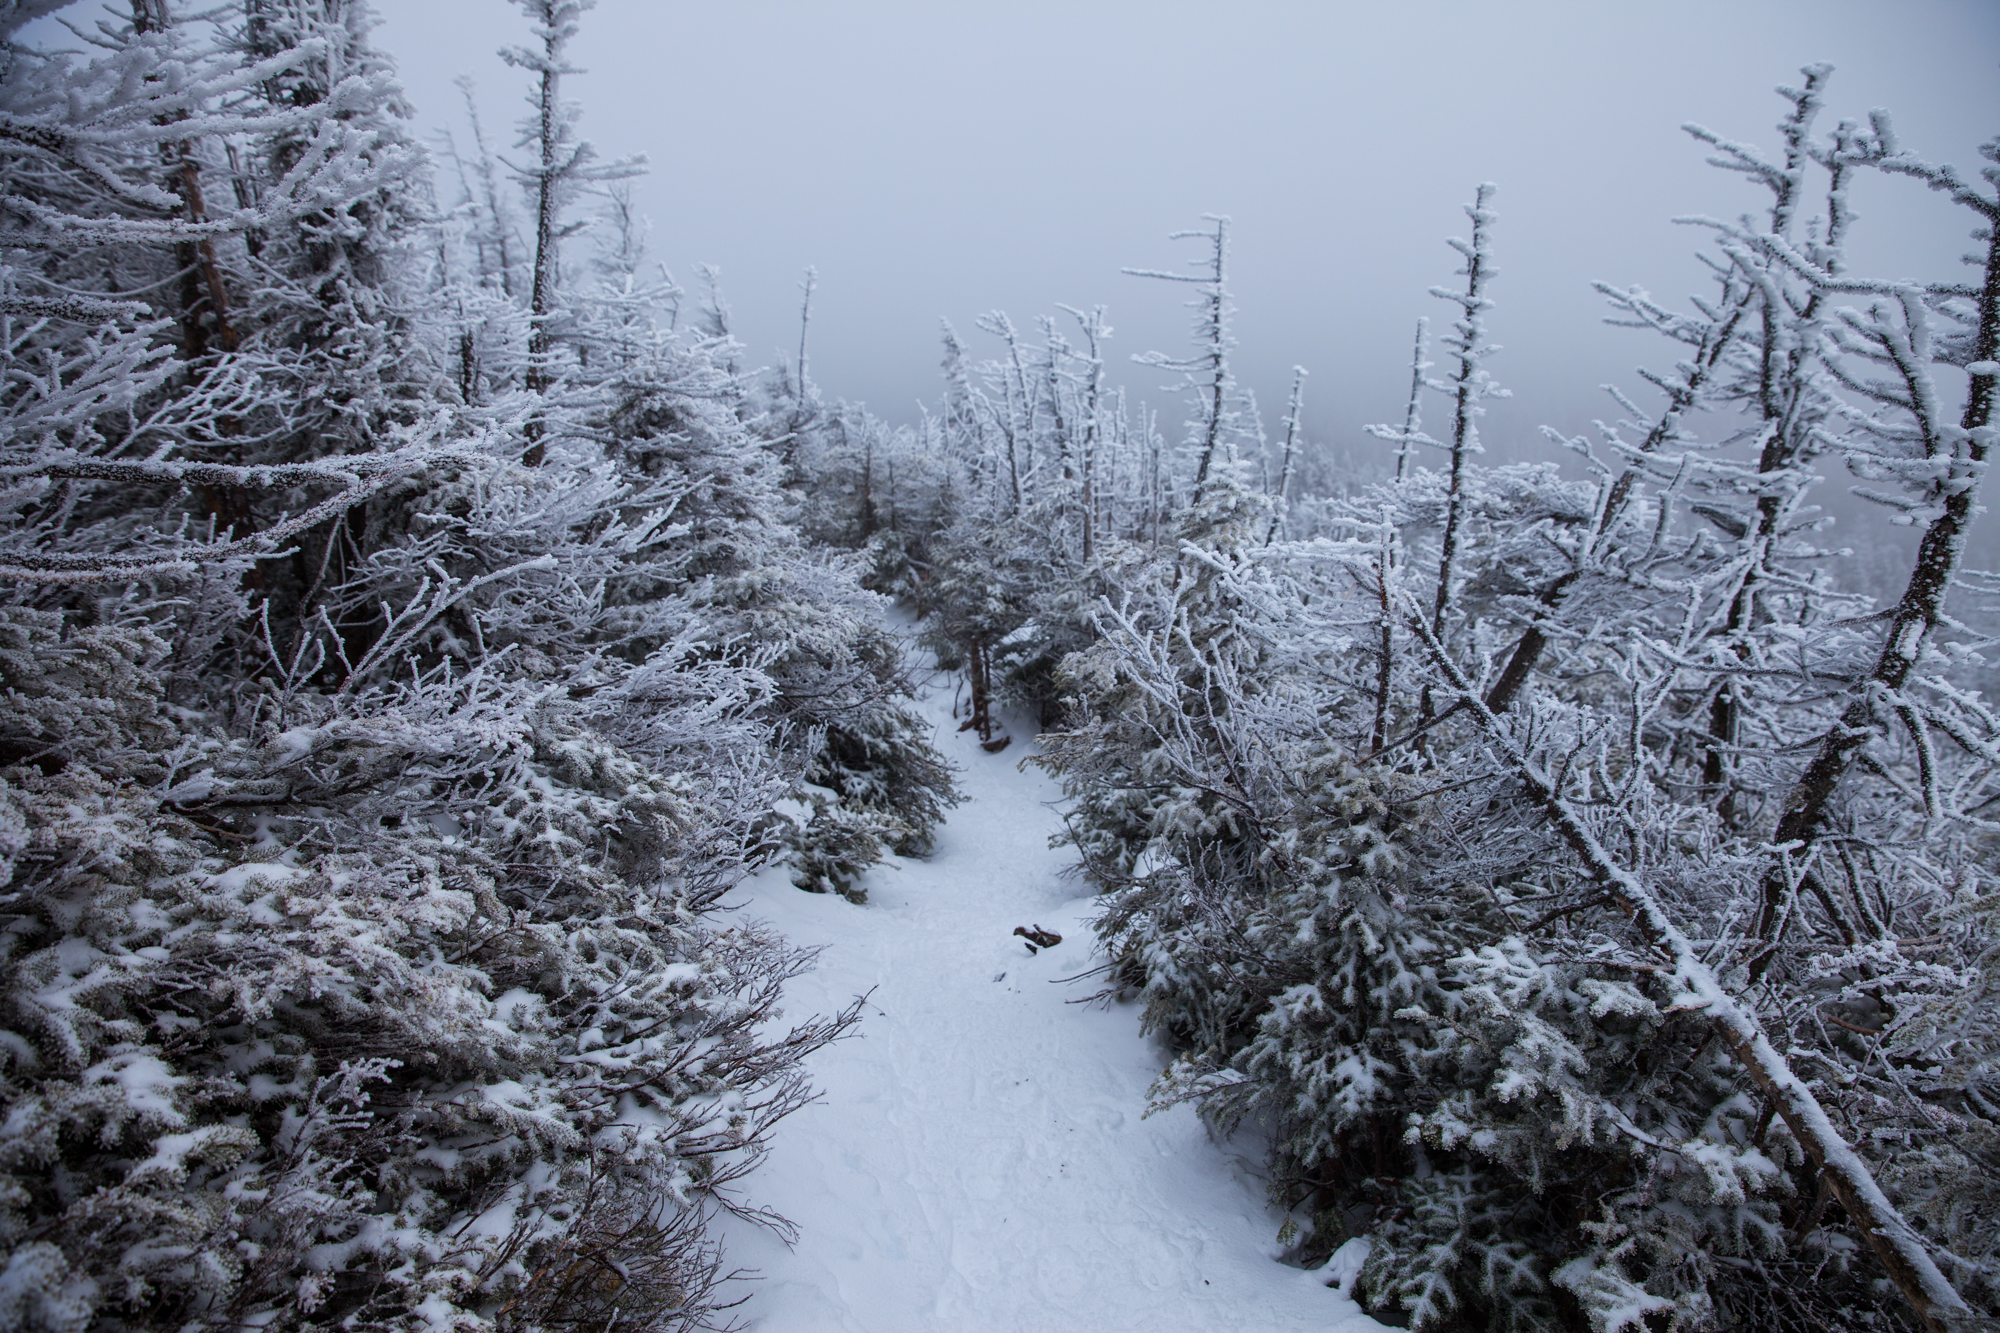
[{"x": 1917, "y": 613}]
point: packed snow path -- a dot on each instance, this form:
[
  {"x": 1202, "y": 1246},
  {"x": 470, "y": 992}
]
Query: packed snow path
[{"x": 978, "y": 1162}]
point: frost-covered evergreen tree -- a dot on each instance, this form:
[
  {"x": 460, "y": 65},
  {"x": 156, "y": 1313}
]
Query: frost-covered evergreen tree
[
  {"x": 381, "y": 729},
  {"x": 1039, "y": 491},
  {"x": 1524, "y": 850}
]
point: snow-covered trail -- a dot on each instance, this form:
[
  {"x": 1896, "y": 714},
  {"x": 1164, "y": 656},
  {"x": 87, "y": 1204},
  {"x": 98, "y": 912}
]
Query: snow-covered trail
[{"x": 978, "y": 1162}]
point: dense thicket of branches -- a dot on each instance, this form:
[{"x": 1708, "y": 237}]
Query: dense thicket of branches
[
  {"x": 1588, "y": 886},
  {"x": 407, "y": 640},
  {"x": 413, "y": 627}
]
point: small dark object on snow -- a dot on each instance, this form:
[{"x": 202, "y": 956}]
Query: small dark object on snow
[
  {"x": 1046, "y": 939},
  {"x": 988, "y": 742}
]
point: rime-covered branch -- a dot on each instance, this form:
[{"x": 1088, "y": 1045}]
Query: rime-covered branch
[{"x": 1887, "y": 1233}]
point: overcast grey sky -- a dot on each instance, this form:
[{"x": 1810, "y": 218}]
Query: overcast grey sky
[{"x": 945, "y": 158}]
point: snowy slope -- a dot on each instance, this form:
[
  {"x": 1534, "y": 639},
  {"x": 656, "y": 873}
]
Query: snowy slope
[{"x": 978, "y": 1161}]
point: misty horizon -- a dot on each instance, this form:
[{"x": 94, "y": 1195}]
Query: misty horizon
[{"x": 890, "y": 146}]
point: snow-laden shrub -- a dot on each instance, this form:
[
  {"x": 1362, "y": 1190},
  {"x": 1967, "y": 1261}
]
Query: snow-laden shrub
[
  {"x": 837, "y": 703},
  {"x": 1337, "y": 953},
  {"x": 1588, "y": 886},
  {"x": 401, "y": 660},
  {"x": 444, "y": 1035}
]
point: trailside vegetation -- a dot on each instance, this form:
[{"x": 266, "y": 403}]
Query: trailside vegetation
[
  {"x": 408, "y": 639},
  {"x": 1584, "y": 880},
  {"x": 414, "y": 621}
]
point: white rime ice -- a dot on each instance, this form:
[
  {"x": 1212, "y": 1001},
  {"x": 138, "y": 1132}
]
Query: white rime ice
[{"x": 1567, "y": 893}]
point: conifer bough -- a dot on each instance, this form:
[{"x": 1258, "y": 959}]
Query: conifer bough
[{"x": 1889, "y": 1235}]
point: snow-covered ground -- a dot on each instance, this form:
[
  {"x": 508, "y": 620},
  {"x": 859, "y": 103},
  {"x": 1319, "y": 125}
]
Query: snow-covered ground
[{"x": 979, "y": 1161}]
